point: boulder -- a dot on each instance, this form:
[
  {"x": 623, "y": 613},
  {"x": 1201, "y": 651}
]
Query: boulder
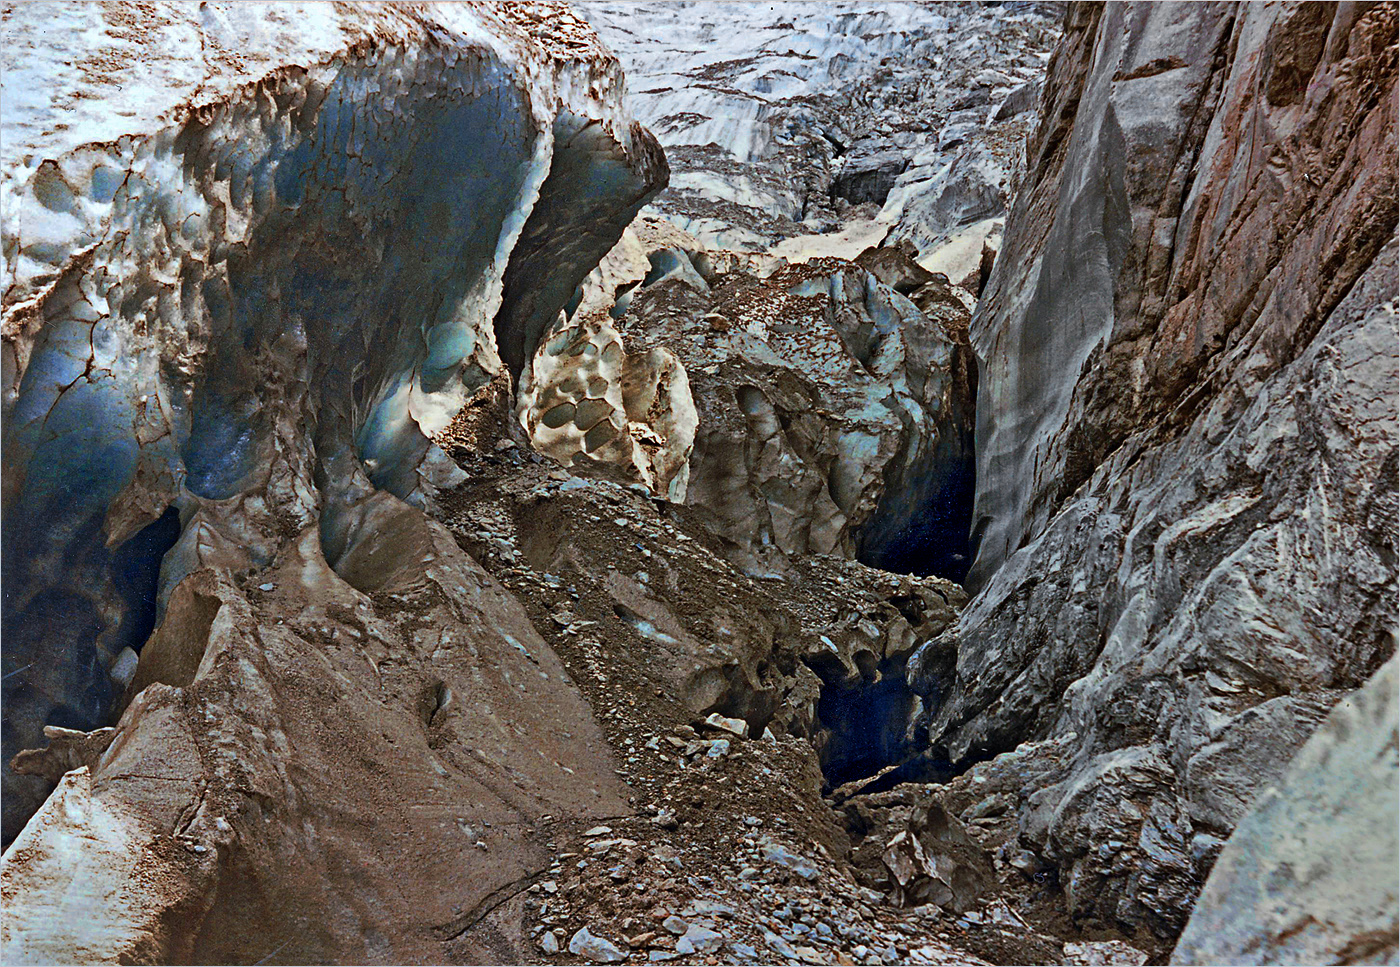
[
  {"x": 780, "y": 855},
  {"x": 699, "y": 940},
  {"x": 935, "y": 860},
  {"x": 1023, "y": 97},
  {"x": 895, "y": 266},
  {"x": 595, "y": 949}
]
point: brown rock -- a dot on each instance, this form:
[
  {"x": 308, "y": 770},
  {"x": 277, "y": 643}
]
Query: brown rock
[{"x": 934, "y": 860}]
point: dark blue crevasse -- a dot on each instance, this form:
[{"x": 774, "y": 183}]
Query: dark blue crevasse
[
  {"x": 872, "y": 731},
  {"x": 922, "y": 524},
  {"x": 53, "y": 674},
  {"x": 932, "y": 539},
  {"x": 866, "y": 722},
  {"x": 135, "y": 570}
]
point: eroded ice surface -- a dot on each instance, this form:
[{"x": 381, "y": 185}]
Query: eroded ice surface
[{"x": 254, "y": 255}]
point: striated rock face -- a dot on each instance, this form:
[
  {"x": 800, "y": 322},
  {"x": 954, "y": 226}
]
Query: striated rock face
[
  {"x": 1187, "y": 441},
  {"x": 1125, "y": 215},
  {"x": 239, "y": 299},
  {"x": 1309, "y": 876}
]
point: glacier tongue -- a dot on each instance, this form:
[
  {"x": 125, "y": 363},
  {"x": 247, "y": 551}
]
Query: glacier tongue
[
  {"x": 789, "y": 123},
  {"x": 254, "y": 257}
]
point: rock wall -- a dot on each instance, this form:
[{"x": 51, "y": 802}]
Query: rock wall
[
  {"x": 255, "y": 256},
  {"x": 1186, "y": 441}
]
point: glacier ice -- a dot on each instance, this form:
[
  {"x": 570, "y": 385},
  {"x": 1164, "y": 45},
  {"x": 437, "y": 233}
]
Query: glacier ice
[{"x": 249, "y": 269}]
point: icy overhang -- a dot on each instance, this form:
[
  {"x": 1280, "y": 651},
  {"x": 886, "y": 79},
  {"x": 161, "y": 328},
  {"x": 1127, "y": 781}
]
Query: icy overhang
[{"x": 254, "y": 256}]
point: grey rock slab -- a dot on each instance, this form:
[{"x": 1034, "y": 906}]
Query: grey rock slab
[
  {"x": 1185, "y": 496},
  {"x": 778, "y": 945},
  {"x": 725, "y": 724},
  {"x": 1104, "y": 953},
  {"x": 597, "y": 949},
  {"x": 780, "y": 855},
  {"x": 1309, "y": 875},
  {"x": 708, "y": 908},
  {"x": 698, "y": 939}
]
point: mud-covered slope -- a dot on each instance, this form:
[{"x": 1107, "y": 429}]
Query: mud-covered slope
[
  {"x": 254, "y": 256},
  {"x": 1187, "y": 440}
]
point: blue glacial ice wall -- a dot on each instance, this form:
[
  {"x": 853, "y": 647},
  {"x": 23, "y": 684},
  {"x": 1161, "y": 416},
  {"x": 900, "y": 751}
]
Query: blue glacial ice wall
[{"x": 251, "y": 319}]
